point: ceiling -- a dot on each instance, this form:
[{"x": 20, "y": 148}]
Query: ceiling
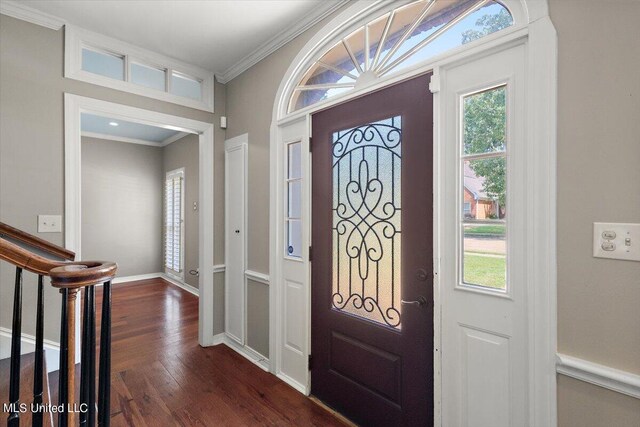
[
  {"x": 214, "y": 34},
  {"x": 99, "y": 126}
]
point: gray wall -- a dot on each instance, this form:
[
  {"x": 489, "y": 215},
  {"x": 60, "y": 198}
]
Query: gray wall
[
  {"x": 32, "y": 150},
  {"x": 183, "y": 153},
  {"x": 599, "y": 106},
  {"x": 250, "y": 99},
  {"x": 598, "y": 119},
  {"x": 258, "y": 317},
  {"x": 122, "y": 205},
  {"x": 598, "y": 180}
]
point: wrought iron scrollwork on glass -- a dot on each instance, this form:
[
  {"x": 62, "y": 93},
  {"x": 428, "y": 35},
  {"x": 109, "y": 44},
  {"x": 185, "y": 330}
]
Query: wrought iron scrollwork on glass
[{"x": 367, "y": 221}]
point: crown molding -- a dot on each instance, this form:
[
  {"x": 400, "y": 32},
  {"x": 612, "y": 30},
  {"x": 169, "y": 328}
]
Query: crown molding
[
  {"x": 173, "y": 138},
  {"x": 160, "y": 144},
  {"x": 280, "y": 39},
  {"x": 121, "y": 139},
  {"x": 19, "y": 11},
  {"x": 29, "y": 14}
]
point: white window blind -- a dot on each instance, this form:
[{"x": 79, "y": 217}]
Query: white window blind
[{"x": 173, "y": 189}]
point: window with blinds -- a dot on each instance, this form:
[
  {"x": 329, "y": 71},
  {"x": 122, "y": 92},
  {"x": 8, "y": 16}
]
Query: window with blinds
[{"x": 173, "y": 224}]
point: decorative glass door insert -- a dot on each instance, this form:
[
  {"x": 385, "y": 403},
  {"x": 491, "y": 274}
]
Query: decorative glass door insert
[{"x": 367, "y": 221}]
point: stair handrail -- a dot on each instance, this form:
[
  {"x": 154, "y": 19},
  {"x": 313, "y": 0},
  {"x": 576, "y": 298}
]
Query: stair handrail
[
  {"x": 70, "y": 277},
  {"x": 11, "y": 233}
]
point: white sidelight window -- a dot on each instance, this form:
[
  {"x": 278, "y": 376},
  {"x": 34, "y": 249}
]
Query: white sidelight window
[
  {"x": 483, "y": 163},
  {"x": 294, "y": 201},
  {"x": 174, "y": 222}
]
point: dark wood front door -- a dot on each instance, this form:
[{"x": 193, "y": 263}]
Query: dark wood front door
[{"x": 372, "y": 283}]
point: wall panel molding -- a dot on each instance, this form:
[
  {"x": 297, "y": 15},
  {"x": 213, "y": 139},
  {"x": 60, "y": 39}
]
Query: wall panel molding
[
  {"x": 604, "y": 376},
  {"x": 257, "y": 277}
]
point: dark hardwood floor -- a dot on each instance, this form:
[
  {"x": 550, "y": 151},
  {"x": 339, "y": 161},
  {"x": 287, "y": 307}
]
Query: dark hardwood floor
[{"x": 161, "y": 376}]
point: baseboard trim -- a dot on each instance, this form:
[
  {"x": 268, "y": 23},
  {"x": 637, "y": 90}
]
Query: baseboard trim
[
  {"x": 293, "y": 383},
  {"x": 247, "y": 352},
  {"x": 180, "y": 284},
  {"x": 170, "y": 279},
  {"x": 136, "y": 278},
  {"x": 600, "y": 375},
  {"x": 184, "y": 286},
  {"x": 218, "y": 338},
  {"x": 28, "y": 345}
]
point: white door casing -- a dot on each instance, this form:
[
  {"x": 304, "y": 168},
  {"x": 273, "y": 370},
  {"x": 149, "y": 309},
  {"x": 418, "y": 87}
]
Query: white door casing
[
  {"x": 483, "y": 332},
  {"x": 236, "y": 161},
  {"x": 74, "y": 105},
  {"x": 534, "y": 33}
]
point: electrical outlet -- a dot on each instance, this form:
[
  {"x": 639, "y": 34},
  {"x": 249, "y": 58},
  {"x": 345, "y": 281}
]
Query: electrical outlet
[
  {"x": 616, "y": 241},
  {"x": 49, "y": 223}
]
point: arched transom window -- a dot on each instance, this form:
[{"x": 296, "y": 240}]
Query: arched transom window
[{"x": 395, "y": 41}]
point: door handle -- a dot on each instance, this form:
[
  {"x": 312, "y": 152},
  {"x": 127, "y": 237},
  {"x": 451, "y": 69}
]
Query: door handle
[{"x": 421, "y": 301}]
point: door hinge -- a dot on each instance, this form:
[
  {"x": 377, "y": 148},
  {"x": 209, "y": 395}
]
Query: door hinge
[
  {"x": 434, "y": 83},
  {"x": 310, "y": 253},
  {"x": 310, "y": 144},
  {"x": 310, "y": 363}
]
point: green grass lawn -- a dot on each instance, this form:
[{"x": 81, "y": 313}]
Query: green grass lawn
[
  {"x": 485, "y": 271},
  {"x": 494, "y": 229}
]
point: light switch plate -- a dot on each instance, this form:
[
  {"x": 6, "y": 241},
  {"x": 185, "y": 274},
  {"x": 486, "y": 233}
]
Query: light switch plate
[
  {"x": 616, "y": 241},
  {"x": 49, "y": 223}
]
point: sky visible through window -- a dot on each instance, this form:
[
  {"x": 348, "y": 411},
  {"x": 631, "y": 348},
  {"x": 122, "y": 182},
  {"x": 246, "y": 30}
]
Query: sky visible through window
[{"x": 486, "y": 20}]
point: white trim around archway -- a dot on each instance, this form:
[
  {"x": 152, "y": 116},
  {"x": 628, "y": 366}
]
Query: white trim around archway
[
  {"x": 74, "y": 105},
  {"x": 533, "y": 27}
]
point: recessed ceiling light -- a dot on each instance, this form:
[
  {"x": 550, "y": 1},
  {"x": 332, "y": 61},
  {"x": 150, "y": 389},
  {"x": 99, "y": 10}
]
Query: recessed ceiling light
[{"x": 113, "y": 123}]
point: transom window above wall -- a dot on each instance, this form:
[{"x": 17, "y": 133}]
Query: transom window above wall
[
  {"x": 104, "y": 61},
  {"x": 401, "y": 38}
]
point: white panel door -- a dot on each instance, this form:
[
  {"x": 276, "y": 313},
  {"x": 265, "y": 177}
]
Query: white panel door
[
  {"x": 235, "y": 237},
  {"x": 482, "y": 214}
]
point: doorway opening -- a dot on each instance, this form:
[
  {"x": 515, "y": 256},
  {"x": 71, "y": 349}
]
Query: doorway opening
[
  {"x": 155, "y": 143},
  {"x": 137, "y": 181},
  {"x": 322, "y": 76}
]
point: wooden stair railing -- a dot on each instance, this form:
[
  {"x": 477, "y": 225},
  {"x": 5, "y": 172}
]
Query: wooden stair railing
[{"x": 70, "y": 277}]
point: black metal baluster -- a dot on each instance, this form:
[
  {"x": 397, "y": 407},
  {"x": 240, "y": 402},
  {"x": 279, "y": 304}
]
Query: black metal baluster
[
  {"x": 63, "y": 389},
  {"x": 16, "y": 335},
  {"x": 104, "y": 390},
  {"x": 88, "y": 367},
  {"x": 39, "y": 362},
  {"x": 84, "y": 362},
  {"x": 92, "y": 358}
]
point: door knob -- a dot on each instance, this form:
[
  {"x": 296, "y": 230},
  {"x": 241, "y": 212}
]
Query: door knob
[{"x": 419, "y": 302}]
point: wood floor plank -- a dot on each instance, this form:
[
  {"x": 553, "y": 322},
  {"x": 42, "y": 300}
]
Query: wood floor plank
[
  {"x": 27, "y": 375},
  {"x": 161, "y": 376}
]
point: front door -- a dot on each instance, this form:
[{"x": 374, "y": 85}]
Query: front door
[{"x": 372, "y": 282}]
